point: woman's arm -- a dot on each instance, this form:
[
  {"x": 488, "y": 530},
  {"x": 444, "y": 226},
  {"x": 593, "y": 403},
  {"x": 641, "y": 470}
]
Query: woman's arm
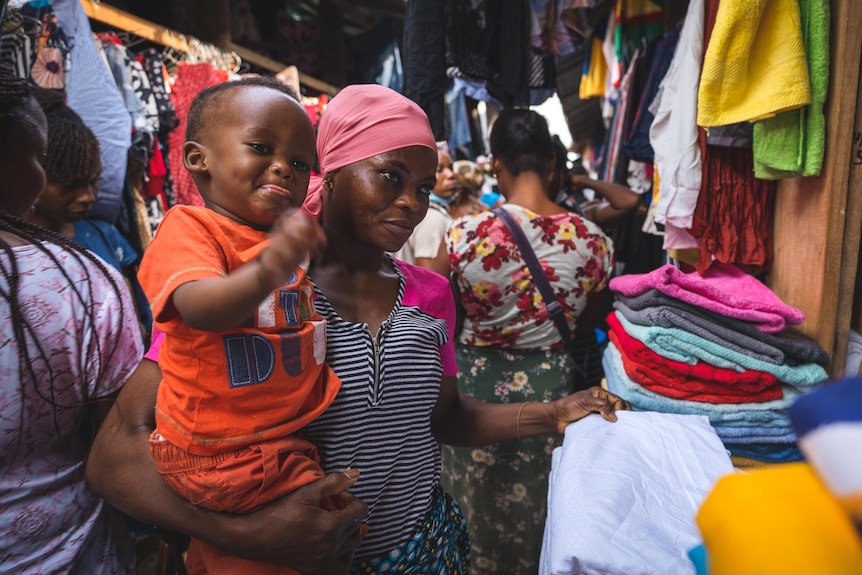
[
  {"x": 293, "y": 531},
  {"x": 620, "y": 200},
  {"x": 461, "y": 420}
]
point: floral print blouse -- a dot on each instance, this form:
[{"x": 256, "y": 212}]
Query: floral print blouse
[{"x": 504, "y": 308}]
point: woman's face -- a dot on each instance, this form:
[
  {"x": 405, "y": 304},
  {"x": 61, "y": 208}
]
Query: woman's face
[
  {"x": 379, "y": 200},
  {"x": 447, "y": 185},
  {"x": 20, "y": 160}
]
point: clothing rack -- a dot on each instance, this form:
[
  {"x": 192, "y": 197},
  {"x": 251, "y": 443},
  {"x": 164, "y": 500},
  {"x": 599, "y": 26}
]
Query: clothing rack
[{"x": 197, "y": 49}]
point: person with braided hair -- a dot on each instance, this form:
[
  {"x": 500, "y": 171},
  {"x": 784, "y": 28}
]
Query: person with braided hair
[
  {"x": 69, "y": 341},
  {"x": 73, "y": 166}
]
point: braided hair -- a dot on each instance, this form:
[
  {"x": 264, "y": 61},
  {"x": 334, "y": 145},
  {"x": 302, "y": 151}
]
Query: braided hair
[
  {"x": 17, "y": 107},
  {"x": 73, "y": 150}
]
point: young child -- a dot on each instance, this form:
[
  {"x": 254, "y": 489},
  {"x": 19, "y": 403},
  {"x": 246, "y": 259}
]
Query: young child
[{"x": 243, "y": 359}]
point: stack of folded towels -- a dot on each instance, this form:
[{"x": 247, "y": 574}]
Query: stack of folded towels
[{"x": 717, "y": 344}]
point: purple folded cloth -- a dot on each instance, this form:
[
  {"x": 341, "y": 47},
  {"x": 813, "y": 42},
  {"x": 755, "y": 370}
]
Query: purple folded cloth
[
  {"x": 723, "y": 288},
  {"x": 655, "y": 308}
]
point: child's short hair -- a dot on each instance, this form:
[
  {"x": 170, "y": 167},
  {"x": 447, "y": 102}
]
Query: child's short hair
[
  {"x": 73, "y": 150},
  {"x": 214, "y": 94}
]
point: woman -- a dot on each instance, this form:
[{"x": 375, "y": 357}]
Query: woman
[
  {"x": 425, "y": 246},
  {"x": 389, "y": 340},
  {"x": 466, "y": 201},
  {"x": 69, "y": 342},
  {"x": 509, "y": 351}
]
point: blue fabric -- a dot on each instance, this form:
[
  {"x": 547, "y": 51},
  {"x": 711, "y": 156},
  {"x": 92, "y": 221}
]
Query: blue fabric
[
  {"x": 440, "y": 544},
  {"x": 638, "y": 146},
  {"x": 459, "y": 128},
  {"x": 699, "y": 559},
  {"x": 840, "y": 401},
  {"x": 755, "y": 434},
  {"x": 779, "y": 453},
  {"x": 105, "y": 240},
  {"x": 92, "y": 93},
  {"x": 490, "y": 199}
]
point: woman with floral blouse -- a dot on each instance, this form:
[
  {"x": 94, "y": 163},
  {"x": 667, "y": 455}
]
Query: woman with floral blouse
[{"x": 508, "y": 349}]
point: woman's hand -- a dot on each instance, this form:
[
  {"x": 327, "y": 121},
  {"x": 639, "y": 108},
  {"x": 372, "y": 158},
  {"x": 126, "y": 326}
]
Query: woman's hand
[
  {"x": 582, "y": 403},
  {"x": 297, "y": 532}
]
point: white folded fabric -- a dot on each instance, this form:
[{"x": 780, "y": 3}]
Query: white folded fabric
[{"x": 623, "y": 496}]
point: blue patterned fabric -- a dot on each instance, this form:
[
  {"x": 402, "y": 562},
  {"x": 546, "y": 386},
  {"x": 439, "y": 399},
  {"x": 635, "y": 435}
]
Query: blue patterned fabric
[{"x": 440, "y": 545}]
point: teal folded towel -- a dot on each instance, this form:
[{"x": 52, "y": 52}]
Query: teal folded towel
[
  {"x": 684, "y": 346},
  {"x": 763, "y": 414}
]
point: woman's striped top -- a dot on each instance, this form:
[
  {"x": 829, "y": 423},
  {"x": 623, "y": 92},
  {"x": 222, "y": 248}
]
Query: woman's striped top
[{"x": 380, "y": 420}]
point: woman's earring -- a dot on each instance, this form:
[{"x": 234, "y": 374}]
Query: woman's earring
[{"x": 328, "y": 185}]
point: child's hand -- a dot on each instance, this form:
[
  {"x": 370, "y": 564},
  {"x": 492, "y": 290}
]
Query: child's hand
[{"x": 293, "y": 238}]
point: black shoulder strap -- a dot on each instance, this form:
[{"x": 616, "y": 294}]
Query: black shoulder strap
[{"x": 555, "y": 308}]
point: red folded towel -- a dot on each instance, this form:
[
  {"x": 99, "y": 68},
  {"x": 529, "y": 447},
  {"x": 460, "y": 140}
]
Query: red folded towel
[{"x": 699, "y": 382}]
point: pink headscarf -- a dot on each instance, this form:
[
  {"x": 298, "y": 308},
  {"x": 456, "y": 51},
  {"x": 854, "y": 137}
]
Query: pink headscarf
[{"x": 364, "y": 120}]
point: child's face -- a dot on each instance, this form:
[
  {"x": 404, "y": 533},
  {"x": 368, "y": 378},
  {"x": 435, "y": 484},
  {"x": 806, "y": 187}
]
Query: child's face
[
  {"x": 256, "y": 156},
  {"x": 60, "y": 204}
]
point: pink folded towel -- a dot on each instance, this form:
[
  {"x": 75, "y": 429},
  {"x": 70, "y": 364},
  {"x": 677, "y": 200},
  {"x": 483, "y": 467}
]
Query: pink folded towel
[{"x": 723, "y": 288}]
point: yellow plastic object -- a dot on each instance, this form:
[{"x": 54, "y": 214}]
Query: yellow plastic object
[{"x": 779, "y": 520}]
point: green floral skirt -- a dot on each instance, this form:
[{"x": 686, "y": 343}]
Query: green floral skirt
[{"x": 503, "y": 489}]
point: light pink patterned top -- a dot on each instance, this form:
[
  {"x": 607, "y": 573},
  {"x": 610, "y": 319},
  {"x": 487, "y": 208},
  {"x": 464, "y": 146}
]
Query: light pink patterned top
[{"x": 50, "y": 520}]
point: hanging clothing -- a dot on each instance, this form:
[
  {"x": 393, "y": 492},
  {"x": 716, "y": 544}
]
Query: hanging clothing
[
  {"x": 754, "y": 66},
  {"x": 92, "y": 93},
  {"x": 593, "y": 79},
  {"x": 792, "y": 143},
  {"x": 673, "y": 134},
  {"x": 425, "y": 60},
  {"x": 191, "y": 79},
  {"x": 137, "y": 96},
  {"x": 153, "y": 64},
  {"x": 638, "y": 146},
  {"x": 733, "y": 216}
]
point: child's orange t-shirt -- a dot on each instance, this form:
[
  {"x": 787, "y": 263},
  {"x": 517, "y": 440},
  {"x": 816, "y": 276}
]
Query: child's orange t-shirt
[{"x": 222, "y": 391}]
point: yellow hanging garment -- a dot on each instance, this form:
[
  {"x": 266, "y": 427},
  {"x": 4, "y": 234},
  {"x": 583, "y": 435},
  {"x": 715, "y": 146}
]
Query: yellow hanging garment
[
  {"x": 755, "y": 65},
  {"x": 593, "y": 82}
]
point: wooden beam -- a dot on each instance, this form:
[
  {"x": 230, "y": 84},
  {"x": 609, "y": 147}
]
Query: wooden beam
[
  {"x": 121, "y": 20},
  {"x": 262, "y": 61},
  {"x": 116, "y": 18}
]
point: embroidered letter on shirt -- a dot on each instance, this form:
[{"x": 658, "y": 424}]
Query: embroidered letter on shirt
[{"x": 250, "y": 359}]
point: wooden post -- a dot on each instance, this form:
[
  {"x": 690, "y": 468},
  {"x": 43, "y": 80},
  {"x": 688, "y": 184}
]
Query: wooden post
[{"x": 817, "y": 220}]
